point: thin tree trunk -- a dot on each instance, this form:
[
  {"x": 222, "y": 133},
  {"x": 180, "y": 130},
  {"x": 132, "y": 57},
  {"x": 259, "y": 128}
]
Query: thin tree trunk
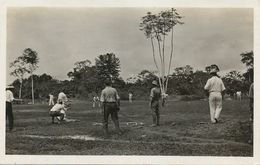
[
  {"x": 170, "y": 62},
  {"x": 32, "y": 90},
  {"x": 154, "y": 56}
]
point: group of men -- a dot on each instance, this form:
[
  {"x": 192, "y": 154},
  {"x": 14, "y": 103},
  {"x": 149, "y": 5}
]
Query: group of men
[{"x": 110, "y": 102}]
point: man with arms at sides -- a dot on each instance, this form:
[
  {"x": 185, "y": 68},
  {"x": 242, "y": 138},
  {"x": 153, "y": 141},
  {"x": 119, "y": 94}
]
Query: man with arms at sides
[
  {"x": 8, "y": 106},
  {"x": 155, "y": 96},
  {"x": 215, "y": 88},
  {"x": 110, "y": 104}
]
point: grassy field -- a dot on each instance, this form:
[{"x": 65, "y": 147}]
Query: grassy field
[{"x": 185, "y": 130}]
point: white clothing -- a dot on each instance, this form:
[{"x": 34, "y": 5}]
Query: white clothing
[
  {"x": 9, "y": 96},
  {"x": 215, "y": 84},
  {"x": 215, "y": 105},
  {"x": 130, "y": 97},
  {"x": 51, "y": 102},
  {"x": 57, "y": 107},
  {"x": 239, "y": 95}
]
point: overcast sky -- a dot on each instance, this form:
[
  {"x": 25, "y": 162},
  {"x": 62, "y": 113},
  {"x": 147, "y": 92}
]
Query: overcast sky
[{"x": 63, "y": 36}]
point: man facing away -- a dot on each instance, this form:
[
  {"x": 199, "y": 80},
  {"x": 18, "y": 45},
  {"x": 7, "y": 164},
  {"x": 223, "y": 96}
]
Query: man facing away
[
  {"x": 215, "y": 87},
  {"x": 110, "y": 103},
  {"x": 155, "y": 96}
]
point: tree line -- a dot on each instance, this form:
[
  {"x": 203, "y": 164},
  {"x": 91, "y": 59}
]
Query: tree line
[{"x": 86, "y": 78}]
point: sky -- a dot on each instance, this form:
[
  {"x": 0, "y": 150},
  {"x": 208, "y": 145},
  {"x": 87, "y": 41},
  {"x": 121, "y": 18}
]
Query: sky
[{"x": 63, "y": 36}]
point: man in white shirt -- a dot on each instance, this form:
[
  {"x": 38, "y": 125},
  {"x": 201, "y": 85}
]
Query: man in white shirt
[
  {"x": 215, "y": 87},
  {"x": 8, "y": 106},
  {"x": 130, "y": 95},
  {"x": 239, "y": 95},
  {"x": 58, "y": 111},
  {"x": 110, "y": 102},
  {"x": 51, "y": 102}
]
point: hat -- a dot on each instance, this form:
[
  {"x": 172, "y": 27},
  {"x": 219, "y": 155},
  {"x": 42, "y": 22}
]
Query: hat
[
  {"x": 214, "y": 68},
  {"x": 155, "y": 82},
  {"x": 9, "y": 87}
]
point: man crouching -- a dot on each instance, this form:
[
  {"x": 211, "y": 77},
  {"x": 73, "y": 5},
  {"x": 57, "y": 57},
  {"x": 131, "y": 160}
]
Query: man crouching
[{"x": 57, "y": 111}]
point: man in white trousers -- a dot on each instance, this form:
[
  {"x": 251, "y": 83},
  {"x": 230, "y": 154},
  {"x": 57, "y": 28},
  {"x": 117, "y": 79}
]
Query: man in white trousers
[{"x": 215, "y": 88}]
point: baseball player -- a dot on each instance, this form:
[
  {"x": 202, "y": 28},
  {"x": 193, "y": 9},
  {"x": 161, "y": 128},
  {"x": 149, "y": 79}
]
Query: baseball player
[
  {"x": 57, "y": 111},
  {"x": 51, "y": 102},
  {"x": 155, "y": 96},
  {"x": 110, "y": 103},
  {"x": 215, "y": 88}
]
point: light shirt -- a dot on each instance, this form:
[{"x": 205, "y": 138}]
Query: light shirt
[
  {"x": 51, "y": 97},
  {"x": 251, "y": 91},
  {"x": 57, "y": 107},
  {"x": 215, "y": 84},
  {"x": 109, "y": 94},
  {"x": 9, "y": 96},
  {"x": 62, "y": 97},
  {"x": 155, "y": 94}
]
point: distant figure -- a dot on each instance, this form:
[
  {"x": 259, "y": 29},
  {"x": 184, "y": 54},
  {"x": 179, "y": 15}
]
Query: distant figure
[
  {"x": 111, "y": 104},
  {"x": 58, "y": 111},
  {"x": 239, "y": 95},
  {"x": 130, "y": 95},
  {"x": 215, "y": 89},
  {"x": 155, "y": 96},
  {"x": 8, "y": 108},
  {"x": 94, "y": 102},
  {"x": 98, "y": 101},
  {"x": 51, "y": 100}
]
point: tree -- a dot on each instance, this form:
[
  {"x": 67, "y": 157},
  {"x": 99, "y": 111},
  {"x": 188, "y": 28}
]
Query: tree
[
  {"x": 234, "y": 81},
  {"x": 19, "y": 71},
  {"x": 31, "y": 59},
  {"x": 248, "y": 59},
  {"x": 108, "y": 66},
  {"x": 156, "y": 27}
]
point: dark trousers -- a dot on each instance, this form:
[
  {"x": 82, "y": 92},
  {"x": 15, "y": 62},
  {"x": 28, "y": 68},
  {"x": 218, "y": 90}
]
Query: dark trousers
[
  {"x": 155, "y": 112},
  {"x": 110, "y": 109},
  {"x": 9, "y": 114},
  {"x": 54, "y": 114}
]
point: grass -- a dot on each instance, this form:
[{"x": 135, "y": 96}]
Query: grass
[{"x": 185, "y": 130}]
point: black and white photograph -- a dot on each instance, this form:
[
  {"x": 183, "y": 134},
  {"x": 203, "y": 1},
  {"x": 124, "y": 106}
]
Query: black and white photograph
[{"x": 129, "y": 81}]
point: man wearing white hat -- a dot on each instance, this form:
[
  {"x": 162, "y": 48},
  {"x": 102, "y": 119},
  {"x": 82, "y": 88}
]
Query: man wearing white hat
[
  {"x": 155, "y": 96},
  {"x": 215, "y": 87},
  {"x": 8, "y": 107}
]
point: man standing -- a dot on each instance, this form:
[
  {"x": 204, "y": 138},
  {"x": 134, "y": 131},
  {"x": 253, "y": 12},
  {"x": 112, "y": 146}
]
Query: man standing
[
  {"x": 51, "y": 102},
  {"x": 8, "y": 106},
  {"x": 215, "y": 87},
  {"x": 130, "y": 95},
  {"x": 110, "y": 103},
  {"x": 154, "y": 103}
]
